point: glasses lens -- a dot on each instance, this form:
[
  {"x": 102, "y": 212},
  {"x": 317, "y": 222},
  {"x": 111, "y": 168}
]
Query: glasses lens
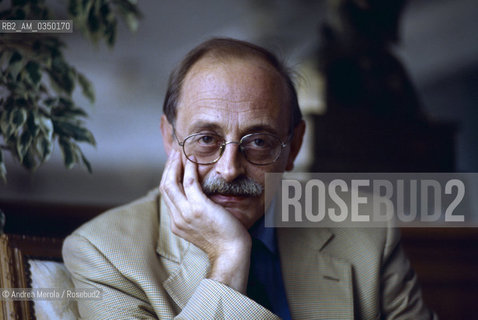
[
  {"x": 261, "y": 148},
  {"x": 206, "y": 148}
]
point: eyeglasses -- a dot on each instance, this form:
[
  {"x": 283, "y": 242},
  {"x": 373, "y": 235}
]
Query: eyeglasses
[{"x": 257, "y": 148}]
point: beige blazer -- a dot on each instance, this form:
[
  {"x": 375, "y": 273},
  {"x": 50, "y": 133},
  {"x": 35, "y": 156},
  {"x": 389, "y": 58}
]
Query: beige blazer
[{"x": 146, "y": 272}]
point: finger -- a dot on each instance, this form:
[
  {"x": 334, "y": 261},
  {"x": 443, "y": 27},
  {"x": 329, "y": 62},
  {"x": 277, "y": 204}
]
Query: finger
[
  {"x": 171, "y": 187},
  {"x": 192, "y": 188},
  {"x": 180, "y": 213},
  {"x": 167, "y": 187},
  {"x": 167, "y": 167},
  {"x": 176, "y": 219}
]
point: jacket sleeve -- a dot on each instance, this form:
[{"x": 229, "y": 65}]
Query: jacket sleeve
[
  {"x": 401, "y": 295},
  {"x": 122, "y": 298},
  {"x": 214, "y": 300},
  {"x": 89, "y": 268}
]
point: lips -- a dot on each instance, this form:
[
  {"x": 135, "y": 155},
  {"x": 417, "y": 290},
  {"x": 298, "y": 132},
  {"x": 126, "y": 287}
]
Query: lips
[
  {"x": 244, "y": 208},
  {"x": 224, "y": 199}
]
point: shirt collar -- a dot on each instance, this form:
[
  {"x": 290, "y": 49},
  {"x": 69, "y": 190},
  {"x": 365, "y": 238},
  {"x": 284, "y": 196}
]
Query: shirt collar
[{"x": 266, "y": 235}]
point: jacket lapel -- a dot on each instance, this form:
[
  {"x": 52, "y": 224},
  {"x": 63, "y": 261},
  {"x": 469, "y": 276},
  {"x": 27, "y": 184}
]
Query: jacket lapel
[
  {"x": 187, "y": 265},
  {"x": 318, "y": 286}
]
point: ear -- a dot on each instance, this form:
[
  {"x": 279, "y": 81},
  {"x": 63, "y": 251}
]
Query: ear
[
  {"x": 167, "y": 133},
  {"x": 295, "y": 144}
]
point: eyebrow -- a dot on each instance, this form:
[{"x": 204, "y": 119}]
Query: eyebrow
[
  {"x": 261, "y": 128},
  {"x": 206, "y": 125}
]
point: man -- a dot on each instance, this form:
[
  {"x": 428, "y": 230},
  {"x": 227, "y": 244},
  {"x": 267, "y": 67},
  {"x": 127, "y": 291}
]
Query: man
[{"x": 200, "y": 250}]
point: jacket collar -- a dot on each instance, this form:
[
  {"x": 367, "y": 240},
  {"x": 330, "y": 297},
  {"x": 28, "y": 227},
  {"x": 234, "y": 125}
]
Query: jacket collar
[
  {"x": 317, "y": 284},
  {"x": 169, "y": 245}
]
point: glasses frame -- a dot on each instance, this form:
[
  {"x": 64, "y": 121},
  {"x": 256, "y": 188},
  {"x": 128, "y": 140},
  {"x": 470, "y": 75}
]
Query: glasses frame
[{"x": 223, "y": 145}]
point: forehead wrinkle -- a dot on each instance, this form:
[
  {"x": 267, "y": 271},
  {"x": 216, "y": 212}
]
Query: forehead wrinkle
[
  {"x": 234, "y": 120},
  {"x": 228, "y": 94},
  {"x": 231, "y": 106},
  {"x": 230, "y": 76},
  {"x": 231, "y": 119},
  {"x": 234, "y": 95},
  {"x": 222, "y": 100},
  {"x": 224, "y": 103}
]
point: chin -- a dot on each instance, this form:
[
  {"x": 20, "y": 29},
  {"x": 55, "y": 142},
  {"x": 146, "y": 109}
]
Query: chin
[
  {"x": 246, "y": 219},
  {"x": 243, "y": 208}
]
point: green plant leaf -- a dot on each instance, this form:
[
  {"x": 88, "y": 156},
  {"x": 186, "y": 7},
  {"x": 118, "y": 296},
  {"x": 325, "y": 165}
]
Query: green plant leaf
[
  {"x": 74, "y": 8},
  {"x": 29, "y": 160},
  {"x": 93, "y": 20},
  {"x": 46, "y": 126},
  {"x": 5, "y": 124},
  {"x": 34, "y": 72},
  {"x": 86, "y": 163},
  {"x": 62, "y": 76},
  {"x": 21, "y": 101},
  {"x": 5, "y": 57},
  {"x": 105, "y": 11},
  {"x": 23, "y": 144},
  {"x": 86, "y": 4},
  {"x": 16, "y": 57},
  {"x": 110, "y": 33},
  {"x": 50, "y": 102},
  {"x": 68, "y": 149},
  {"x": 33, "y": 122},
  {"x": 65, "y": 102},
  {"x": 69, "y": 80},
  {"x": 3, "y": 169},
  {"x": 17, "y": 119},
  {"x": 44, "y": 147},
  {"x": 86, "y": 87},
  {"x": 73, "y": 130},
  {"x": 15, "y": 64},
  {"x": 132, "y": 21},
  {"x": 71, "y": 112}
]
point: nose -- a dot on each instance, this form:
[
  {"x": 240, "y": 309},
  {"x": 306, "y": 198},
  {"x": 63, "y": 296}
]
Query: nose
[{"x": 231, "y": 164}]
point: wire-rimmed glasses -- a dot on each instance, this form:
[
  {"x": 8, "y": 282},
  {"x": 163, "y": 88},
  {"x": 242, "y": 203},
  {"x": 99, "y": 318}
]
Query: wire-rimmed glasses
[{"x": 257, "y": 148}]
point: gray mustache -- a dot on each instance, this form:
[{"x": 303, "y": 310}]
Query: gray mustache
[{"x": 241, "y": 186}]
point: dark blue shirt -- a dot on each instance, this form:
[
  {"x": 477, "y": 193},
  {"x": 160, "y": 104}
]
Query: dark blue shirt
[{"x": 266, "y": 285}]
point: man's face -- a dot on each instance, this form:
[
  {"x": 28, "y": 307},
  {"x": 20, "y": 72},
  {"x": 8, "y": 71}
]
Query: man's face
[{"x": 232, "y": 98}]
